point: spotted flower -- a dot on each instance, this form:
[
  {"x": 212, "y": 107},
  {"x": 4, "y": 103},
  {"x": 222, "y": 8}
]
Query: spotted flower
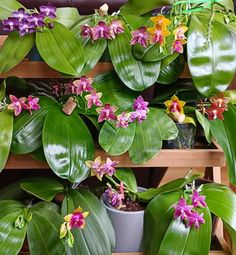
[
  {"x": 93, "y": 99},
  {"x": 182, "y": 210},
  {"x": 158, "y": 35},
  {"x": 109, "y": 167},
  {"x": 195, "y": 219},
  {"x": 17, "y": 104},
  {"x": 198, "y": 200},
  {"x": 177, "y": 46},
  {"x": 114, "y": 197},
  {"x": 138, "y": 115},
  {"x": 84, "y": 84},
  {"x": 102, "y": 30},
  {"x": 140, "y": 36},
  {"x": 107, "y": 112},
  {"x": 221, "y": 101},
  {"x": 179, "y": 33},
  {"x": 174, "y": 105},
  {"x": 123, "y": 120},
  {"x": 95, "y": 167},
  {"x": 116, "y": 27},
  {"x": 140, "y": 104},
  {"x": 215, "y": 112},
  {"x": 87, "y": 32},
  {"x": 32, "y": 104}
]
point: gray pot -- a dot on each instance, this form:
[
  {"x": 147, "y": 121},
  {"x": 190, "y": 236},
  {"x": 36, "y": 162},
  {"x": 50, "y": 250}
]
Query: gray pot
[{"x": 128, "y": 228}]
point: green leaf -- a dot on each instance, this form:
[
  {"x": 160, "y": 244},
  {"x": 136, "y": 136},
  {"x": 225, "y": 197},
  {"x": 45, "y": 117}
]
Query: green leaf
[
  {"x": 27, "y": 132},
  {"x": 204, "y": 122},
  {"x": 134, "y": 21},
  {"x": 166, "y": 125},
  {"x": 67, "y": 16},
  {"x": 138, "y": 7},
  {"x": 207, "y": 62},
  {"x": 60, "y": 49},
  {"x": 43, "y": 230},
  {"x": 43, "y": 188},
  {"x": 135, "y": 74},
  {"x": 116, "y": 141},
  {"x": 39, "y": 154},
  {"x": 2, "y": 89},
  {"x": 158, "y": 216},
  {"x": 14, "y": 49},
  {"x": 221, "y": 201},
  {"x": 144, "y": 146},
  {"x": 232, "y": 95},
  {"x": 67, "y": 144},
  {"x": 166, "y": 188},
  {"x": 170, "y": 73},
  {"x": 114, "y": 91},
  {"x": 232, "y": 235},
  {"x": 7, "y": 7},
  {"x": 126, "y": 175},
  {"x": 224, "y": 134},
  {"x": 6, "y": 129},
  {"x": 12, "y": 191},
  {"x": 98, "y": 236},
  {"x": 9, "y": 206}
]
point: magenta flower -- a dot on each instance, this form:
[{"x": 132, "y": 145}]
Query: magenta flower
[
  {"x": 83, "y": 85},
  {"x": 21, "y": 14},
  {"x": 109, "y": 167},
  {"x": 198, "y": 200},
  {"x": 32, "y": 104},
  {"x": 17, "y": 104},
  {"x": 102, "y": 31},
  {"x": 123, "y": 120},
  {"x": 138, "y": 115},
  {"x": 48, "y": 10},
  {"x": 93, "y": 99},
  {"x": 195, "y": 219},
  {"x": 87, "y": 32},
  {"x": 182, "y": 210},
  {"x": 177, "y": 46},
  {"x": 140, "y": 104},
  {"x": 116, "y": 27},
  {"x": 115, "y": 198},
  {"x": 107, "y": 112},
  {"x": 69, "y": 88},
  {"x": 140, "y": 36}
]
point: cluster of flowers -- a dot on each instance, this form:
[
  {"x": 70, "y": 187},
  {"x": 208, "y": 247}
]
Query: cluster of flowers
[
  {"x": 106, "y": 111},
  {"x": 100, "y": 169},
  {"x": 157, "y": 34},
  {"x": 75, "y": 220},
  {"x": 102, "y": 30},
  {"x": 219, "y": 104},
  {"x": 18, "y": 104},
  {"x": 187, "y": 213},
  {"x": 28, "y": 21}
]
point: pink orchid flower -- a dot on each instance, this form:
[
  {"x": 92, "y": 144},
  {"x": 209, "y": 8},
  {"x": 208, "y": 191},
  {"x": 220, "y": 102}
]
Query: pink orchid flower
[
  {"x": 83, "y": 85},
  {"x": 95, "y": 167},
  {"x": 123, "y": 120},
  {"x": 140, "y": 104},
  {"x": 198, "y": 200},
  {"x": 17, "y": 104},
  {"x": 107, "y": 112},
  {"x": 182, "y": 210},
  {"x": 138, "y": 115},
  {"x": 93, "y": 99},
  {"x": 32, "y": 104},
  {"x": 87, "y": 32},
  {"x": 116, "y": 28},
  {"x": 195, "y": 219},
  {"x": 109, "y": 167},
  {"x": 140, "y": 36},
  {"x": 102, "y": 31}
]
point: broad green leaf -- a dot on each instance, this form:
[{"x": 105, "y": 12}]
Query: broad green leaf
[
  {"x": 224, "y": 134},
  {"x": 127, "y": 176},
  {"x": 2, "y": 89},
  {"x": 135, "y": 74},
  {"x": 7, "y": 7},
  {"x": 114, "y": 91},
  {"x": 116, "y": 141},
  {"x": 208, "y": 61},
  {"x": 27, "y": 132},
  {"x": 166, "y": 188},
  {"x": 134, "y": 21},
  {"x": 67, "y": 16},
  {"x": 9, "y": 206},
  {"x": 43, "y": 230},
  {"x": 12, "y": 191},
  {"x": 98, "y": 236},
  {"x": 43, "y": 188},
  {"x": 6, "y": 129},
  {"x": 158, "y": 216},
  {"x": 92, "y": 50},
  {"x": 168, "y": 60},
  {"x": 170, "y": 73},
  {"x": 61, "y": 50},
  {"x": 165, "y": 124},
  {"x": 39, "y": 154},
  {"x": 138, "y": 7},
  {"x": 147, "y": 140},
  {"x": 204, "y": 122},
  {"x": 67, "y": 144},
  {"x": 14, "y": 49},
  {"x": 221, "y": 201}
]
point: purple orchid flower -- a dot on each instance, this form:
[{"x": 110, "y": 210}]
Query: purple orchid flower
[
  {"x": 182, "y": 210},
  {"x": 138, "y": 115},
  {"x": 25, "y": 28},
  {"x": 83, "y": 85},
  {"x": 48, "y": 11},
  {"x": 17, "y": 104},
  {"x": 102, "y": 31},
  {"x": 87, "y": 32},
  {"x": 116, "y": 27},
  {"x": 10, "y": 24},
  {"x": 140, "y": 36},
  {"x": 107, "y": 112},
  {"x": 109, "y": 167},
  {"x": 123, "y": 120},
  {"x": 93, "y": 99},
  {"x": 195, "y": 219},
  {"x": 140, "y": 104},
  {"x": 115, "y": 198},
  {"x": 32, "y": 104},
  {"x": 21, "y": 14},
  {"x": 198, "y": 200},
  {"x": 36, "y": 20}
]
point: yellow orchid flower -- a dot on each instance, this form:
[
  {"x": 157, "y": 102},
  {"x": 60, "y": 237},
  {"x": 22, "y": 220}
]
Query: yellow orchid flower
[
  {"x": 160, "y": 21},
  {"x": 179, "y": 33},
  {"x": 174, "y": 105}
]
